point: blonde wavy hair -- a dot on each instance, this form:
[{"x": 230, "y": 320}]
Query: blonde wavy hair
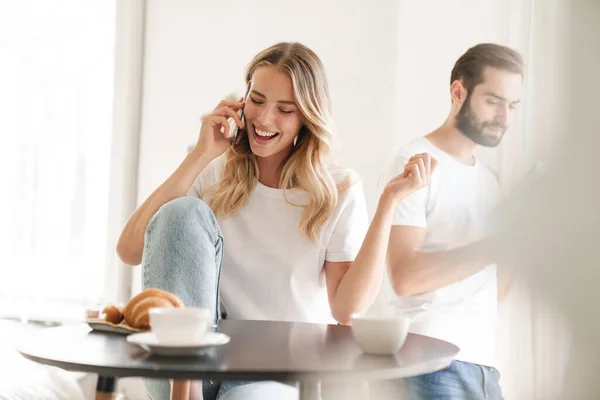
[{"x": 305, "y": 168}]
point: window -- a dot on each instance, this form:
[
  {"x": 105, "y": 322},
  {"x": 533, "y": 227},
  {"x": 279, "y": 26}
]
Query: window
[{"x": 56, "y": 64}]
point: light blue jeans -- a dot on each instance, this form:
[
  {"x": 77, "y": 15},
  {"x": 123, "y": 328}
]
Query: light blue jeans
[
  {"x": 183, "y": 250},
  {"x": 460, "y": 381}
]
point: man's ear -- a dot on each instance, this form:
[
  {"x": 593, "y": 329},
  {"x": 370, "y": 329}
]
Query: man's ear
[{"x": 458, "y": 92}]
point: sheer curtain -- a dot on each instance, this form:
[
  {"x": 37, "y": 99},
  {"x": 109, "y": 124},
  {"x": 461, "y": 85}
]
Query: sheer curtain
[
  {"x": 56, "y": 106},
  {"x": 533, "y": 334}
]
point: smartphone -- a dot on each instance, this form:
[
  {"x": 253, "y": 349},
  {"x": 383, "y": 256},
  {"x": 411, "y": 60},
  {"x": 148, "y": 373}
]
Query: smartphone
[{"x": 233, "y": 128}]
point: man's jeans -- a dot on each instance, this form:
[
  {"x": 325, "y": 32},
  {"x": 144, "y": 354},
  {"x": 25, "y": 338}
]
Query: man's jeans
[{"x": 460, "y": 381}]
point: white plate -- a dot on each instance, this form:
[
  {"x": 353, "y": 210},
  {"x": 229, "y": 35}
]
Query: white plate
[
  {"x": 104, "y": 326},
  {"x": 148, "y": 341}
]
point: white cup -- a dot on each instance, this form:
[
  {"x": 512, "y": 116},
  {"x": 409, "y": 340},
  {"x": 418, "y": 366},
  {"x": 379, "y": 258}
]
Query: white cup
[
  {"x": 179, "y": 325},
  {"x": 380, "y": 334}
]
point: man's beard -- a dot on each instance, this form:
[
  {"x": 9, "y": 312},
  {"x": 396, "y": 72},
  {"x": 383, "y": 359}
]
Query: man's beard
[{"x": 468, "y": 123}]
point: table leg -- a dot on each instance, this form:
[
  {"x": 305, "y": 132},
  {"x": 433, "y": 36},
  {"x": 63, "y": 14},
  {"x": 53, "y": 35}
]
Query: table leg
[
  {"x": 105, "y": 388},
  {"x": 309, "y": 391}
]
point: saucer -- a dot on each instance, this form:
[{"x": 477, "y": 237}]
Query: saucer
[{"x": 149, "y": 342}]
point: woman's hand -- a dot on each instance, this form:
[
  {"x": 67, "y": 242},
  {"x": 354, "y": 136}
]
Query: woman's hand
[
  {"x": 416, "y": 175},
  {"x": 215, "y": 136}
]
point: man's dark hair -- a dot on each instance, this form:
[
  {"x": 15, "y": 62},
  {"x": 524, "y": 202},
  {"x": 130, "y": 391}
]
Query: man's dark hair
[{"x": 469, "y": 67}]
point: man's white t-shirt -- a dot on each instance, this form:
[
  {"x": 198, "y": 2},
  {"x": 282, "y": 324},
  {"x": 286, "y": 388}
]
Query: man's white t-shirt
[
  {"x": 454, "y": 209},
  {"x": 270, "y": 269}
]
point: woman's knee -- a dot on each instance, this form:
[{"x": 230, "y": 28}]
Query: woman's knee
[
  {"x": 184, "y": 208},
  {"x": 184, "y": 214}
]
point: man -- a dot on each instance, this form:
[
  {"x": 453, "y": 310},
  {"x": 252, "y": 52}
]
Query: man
[{"x": 440, "y": 262}]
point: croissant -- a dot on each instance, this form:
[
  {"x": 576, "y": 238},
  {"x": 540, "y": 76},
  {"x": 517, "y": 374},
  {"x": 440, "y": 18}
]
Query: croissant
[
  {"x": 113, "y": 314},
  {"x": 140, "y": 317},
  {"x": 135, "y": 312}
]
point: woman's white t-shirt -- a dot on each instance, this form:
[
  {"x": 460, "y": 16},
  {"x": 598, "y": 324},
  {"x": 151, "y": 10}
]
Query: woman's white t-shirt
[{"x": 270, "y": 269}]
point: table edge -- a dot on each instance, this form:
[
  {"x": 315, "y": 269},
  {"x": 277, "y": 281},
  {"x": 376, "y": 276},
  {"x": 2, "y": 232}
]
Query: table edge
[{"x": 378, "y": 375}]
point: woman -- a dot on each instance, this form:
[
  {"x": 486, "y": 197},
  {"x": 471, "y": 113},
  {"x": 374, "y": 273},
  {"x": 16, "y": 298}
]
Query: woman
[{"x": 292, "y": 222}]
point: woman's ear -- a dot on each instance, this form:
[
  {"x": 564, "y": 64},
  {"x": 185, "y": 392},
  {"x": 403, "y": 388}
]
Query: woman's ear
[{"x": 300, "y": 134}]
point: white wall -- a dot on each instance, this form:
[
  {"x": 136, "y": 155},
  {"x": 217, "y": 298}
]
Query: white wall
[
  {"x": 388, "y": 64},
  {"x": 196, "y": 52}
]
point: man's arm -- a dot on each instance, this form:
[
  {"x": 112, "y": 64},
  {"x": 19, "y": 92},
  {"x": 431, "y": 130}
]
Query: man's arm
[{"x": 413, "y": 271}]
